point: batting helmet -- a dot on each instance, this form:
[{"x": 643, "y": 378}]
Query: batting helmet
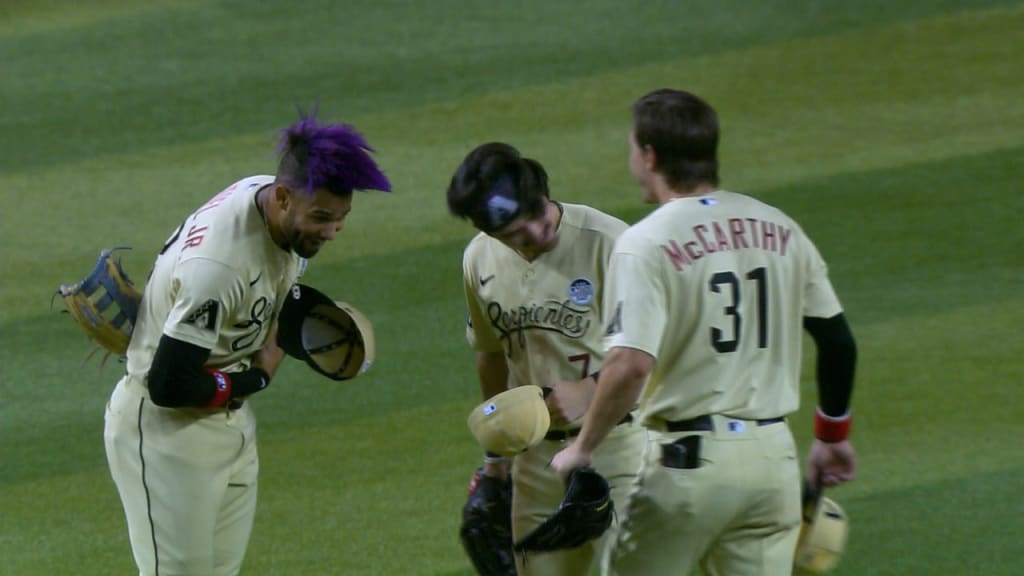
[
  {"x": 822, "y": 538},
  {"x": 511, "y": 422},
  {"x": 333, "y": 338}
]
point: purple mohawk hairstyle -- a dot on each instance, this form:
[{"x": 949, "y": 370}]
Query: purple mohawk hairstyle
[{"x": 333, "y": 156}]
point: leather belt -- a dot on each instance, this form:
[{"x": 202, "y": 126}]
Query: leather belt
[
  {"x": 705, "y": 424},
  {"x": 563, "y": 435}
]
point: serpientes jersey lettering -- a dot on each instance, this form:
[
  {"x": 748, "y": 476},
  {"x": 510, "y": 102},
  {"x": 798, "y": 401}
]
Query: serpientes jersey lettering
[
  {"x": 714, "y": 288},
  {"x": 218, "y": 283},
  {"x": 545, "y": 314}
]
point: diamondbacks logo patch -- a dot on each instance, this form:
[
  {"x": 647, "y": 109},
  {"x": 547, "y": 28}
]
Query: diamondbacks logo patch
[
  {"x": 205, "y": 316},
  {"x": 581, "y": 291},
  {"x": 615, "y": 325}
]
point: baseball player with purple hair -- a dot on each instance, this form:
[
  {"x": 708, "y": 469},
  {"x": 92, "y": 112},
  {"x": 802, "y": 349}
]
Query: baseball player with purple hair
[{"x": 180, "y": 434}]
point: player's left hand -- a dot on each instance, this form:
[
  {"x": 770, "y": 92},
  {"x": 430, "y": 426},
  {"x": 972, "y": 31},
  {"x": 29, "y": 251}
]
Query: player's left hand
[
  {"x": 568, "y": 400},
  {"x": 569, "y": 459}
]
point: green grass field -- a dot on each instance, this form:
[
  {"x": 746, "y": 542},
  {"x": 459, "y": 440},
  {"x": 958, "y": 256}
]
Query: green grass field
[{"x": 893, "y": 131}]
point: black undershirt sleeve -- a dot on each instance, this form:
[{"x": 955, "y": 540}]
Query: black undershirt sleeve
[
  {"x": 837, "y": 360},
  {"x": 179, "y": 378}
]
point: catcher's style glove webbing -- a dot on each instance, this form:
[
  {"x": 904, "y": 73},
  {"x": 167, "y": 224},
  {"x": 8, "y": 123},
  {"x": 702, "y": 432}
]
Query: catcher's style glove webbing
[
  {"x": 104, "y": 304},
  {"x": 486, "y": 530},
  {"x": 585, "y": 513}
]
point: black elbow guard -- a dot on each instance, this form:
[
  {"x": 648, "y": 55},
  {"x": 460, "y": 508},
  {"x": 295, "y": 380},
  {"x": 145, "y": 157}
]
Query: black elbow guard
[
  {"x": 177, "y": 377},
  {"x": 837, "y": 360}
]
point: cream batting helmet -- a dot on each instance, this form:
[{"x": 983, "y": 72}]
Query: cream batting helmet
[
  {"x": 822, "y": 537},
  {"x": 511, "y": 422},
  {"x": 333, "y": 338}
]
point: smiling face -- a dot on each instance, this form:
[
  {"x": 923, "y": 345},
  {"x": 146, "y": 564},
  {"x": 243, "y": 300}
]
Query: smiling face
[{"x": 308, "y": 221}]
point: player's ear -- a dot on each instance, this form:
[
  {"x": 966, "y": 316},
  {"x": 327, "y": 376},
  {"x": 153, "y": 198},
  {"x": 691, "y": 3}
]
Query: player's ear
[
  {"x": 282, "y": 196},
  {"x": 650, "y": 157}
]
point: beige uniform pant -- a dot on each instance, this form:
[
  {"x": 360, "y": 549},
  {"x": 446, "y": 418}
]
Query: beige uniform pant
[
  {"x": 737, "y": 514},
  {"x": 187, "y": 481},
  {"x": 538, "y": 490}
]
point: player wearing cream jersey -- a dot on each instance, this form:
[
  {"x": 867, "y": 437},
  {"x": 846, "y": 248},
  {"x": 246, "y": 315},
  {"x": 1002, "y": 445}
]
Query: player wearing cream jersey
[
  {"x": 217, "y": 283},
  {"x": 744, "y": 295},
  {"x": 706, "y": 304},
  {"x": 534, "y": 280},
  {"x": 543, "y": 314},
  {"x": 180, "y": 434}
]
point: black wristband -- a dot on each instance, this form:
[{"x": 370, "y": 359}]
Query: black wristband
[{"x": 248, "y": 382}]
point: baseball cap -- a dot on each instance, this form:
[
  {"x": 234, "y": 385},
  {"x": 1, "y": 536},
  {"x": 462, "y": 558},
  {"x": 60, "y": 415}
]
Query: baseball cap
[{"x": 511, "y": 422}]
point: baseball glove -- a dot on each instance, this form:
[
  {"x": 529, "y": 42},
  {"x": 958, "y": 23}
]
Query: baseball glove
[
  {"x": 585, "y": 513},
  {"x": 486, "y": 530},
  {"x": 104, "y": 304}
]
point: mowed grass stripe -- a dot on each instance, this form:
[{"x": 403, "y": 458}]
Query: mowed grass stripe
[
  {"x": 966, "y": 525},
  {"x": 820, "y": 110},
  {"x": 205, "y": 70},
  {"x": 933, "y": 398},
  {"x": 414, "y": 300},
  {"x": 66, "y": 524},
  {"x": 365, "y": 485},
  {"x": 412, "y": 492},
  {"x": 22, "y": 18},
  {"x": 887, "y": 235},
  {"x": 333, "y": 500},
  {"x": 912, "y": 201}
]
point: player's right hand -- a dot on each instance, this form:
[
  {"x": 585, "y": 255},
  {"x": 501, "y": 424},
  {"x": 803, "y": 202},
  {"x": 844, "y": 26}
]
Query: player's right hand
[
  {"x": 570, "y": 458},
  {"x": 833, "y": 462},
  {"x": 270, "y": 356}
]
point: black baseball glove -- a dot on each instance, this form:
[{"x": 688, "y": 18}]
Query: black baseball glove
[
  {"x": 585, "y": 513},
  {"x": 486, "y": 530}
]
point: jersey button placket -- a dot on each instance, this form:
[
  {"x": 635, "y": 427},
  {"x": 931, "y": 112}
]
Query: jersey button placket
[{"x": 528, "y": 279}]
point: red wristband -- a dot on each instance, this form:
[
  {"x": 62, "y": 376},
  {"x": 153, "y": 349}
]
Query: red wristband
[
  {"x": 222, "y": 389},
  {"x": 830, "y": 428}
]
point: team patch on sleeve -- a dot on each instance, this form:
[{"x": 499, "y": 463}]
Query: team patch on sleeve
[
  {"x": 615, "y": 325},
  {"x": 205, "y": 316}
]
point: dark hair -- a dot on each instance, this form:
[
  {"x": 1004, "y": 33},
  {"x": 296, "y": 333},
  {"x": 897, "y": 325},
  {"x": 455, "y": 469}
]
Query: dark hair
[
  {"x": 682, "y": 130},
  {"x": 494, "y": 185},
  {"x": 331, "y": 156}
]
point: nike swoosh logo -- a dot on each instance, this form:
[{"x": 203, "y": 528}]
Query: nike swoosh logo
[
  {"x": 258, "y": 276},
  {"x": 484, "y": 281}
]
